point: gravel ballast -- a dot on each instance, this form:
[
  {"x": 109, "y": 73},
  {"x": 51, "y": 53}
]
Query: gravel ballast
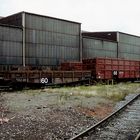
[{"x": 47, "y": 115}]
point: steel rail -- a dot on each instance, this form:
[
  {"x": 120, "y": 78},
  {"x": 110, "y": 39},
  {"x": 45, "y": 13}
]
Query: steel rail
[
  {"x": 138, "y": 136},
  {"x": 90, "y": 129}
]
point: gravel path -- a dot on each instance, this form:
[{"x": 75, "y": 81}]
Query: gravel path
[
  {"x": 44, "y": 116},
  {"x": 45, "y": 125}
]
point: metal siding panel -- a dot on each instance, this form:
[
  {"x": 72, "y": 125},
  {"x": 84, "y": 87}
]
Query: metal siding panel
[
  {"x": 66, "y": 53},
  {"x": 97, "y": 54},
  {"x": 48, "y": 61},
  {"x": 98, "y": 48},
  {"x": 129, "y": 49},
  {"x": 94, "y": 44},
  {"x": 62, "y": 52},
  {"x": 124, "y": 55},
  {"x": 74, "y": 53},
  {"x": 38, "y": 52},
  {"x": 54, "y": 51},
  {"x": 32, "y": 61},
  {"x": 29, "y": 36},
  {"x": 76, "y": 56},
  {"x": 15, "y": 35},
  {"x": 1, "y": 48},
  {"x": 27, "y": 50},
  {"x": 50, "y": 51},
  {"x": 55, "y": 35},
  {"x": 43, "y": 37},
  {"x": 69, "y": 52},
  {"x": 57, "y": 52},
  {"x": 46, "y": 37},
  {"x": 123, "y": 38},
  {"x": 44, "y": 48},
  {"x": 110, "y": 54},
  {"x": 50, "y": 24},
  {"x": 43, "y": 61},
  {"x": 137, "y": 49},
  {"x": 47, "y": 50},
  {"x": 30, "y": 50},
  {"x": 10, "y": 34},
  {"x": 110, "y": 46},
  {"x": 3, "y": 60},
  {"x": 129, "y": 46}
]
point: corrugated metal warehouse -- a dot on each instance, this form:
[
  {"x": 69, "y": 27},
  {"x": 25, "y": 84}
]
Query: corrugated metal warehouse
[
  {"x": 128, "y": 46},
  {"x": 41, "y": 49},
  {"x": 10, "y": 45},
  {"x": 47, "y": 41},
  {"x": 34, "y": 40}
]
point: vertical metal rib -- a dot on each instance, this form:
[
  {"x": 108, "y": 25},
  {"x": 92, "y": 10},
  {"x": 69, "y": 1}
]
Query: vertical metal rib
[{"x": 23, "y": 37}]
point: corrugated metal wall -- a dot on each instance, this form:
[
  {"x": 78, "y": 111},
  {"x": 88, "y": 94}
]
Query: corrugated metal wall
[
  {"x": 129, "y": 47},
  {"x": 98, "y": 48},
  {"x": 50, "y": 41},
  {"x": 10, "y": 46}
]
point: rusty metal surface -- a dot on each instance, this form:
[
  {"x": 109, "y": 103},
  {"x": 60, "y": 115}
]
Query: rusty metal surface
[
  {"x": 109, "y": 68},
  {"x": 35, "y": 76}
]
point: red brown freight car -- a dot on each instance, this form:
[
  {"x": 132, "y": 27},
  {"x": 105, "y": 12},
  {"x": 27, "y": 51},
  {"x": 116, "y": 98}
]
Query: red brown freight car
[
  {"x": 71, "y": 66},
  {"x": 95, "y": 68},
  {"x": 44, "y": 76},
  {"x": 110, "y": 68}
]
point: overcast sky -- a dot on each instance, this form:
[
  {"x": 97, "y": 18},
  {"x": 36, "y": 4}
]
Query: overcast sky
[{"x": 95, "y": 15}]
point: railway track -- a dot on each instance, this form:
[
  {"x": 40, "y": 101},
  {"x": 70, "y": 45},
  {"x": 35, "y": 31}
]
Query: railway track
[
  {"x": 123, "y": 124},
  {"x": 138, "y": 136}
]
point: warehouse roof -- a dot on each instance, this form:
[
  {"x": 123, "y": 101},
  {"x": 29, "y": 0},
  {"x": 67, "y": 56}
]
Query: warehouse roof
[
  {"x": 109, "y": 35},
  {"x": 97, "y": 38},
  {"x": 43, "y": 16}
]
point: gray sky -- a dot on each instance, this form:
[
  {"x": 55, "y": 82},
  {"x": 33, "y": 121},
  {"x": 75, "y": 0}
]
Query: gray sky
[{"x": 95, "y": 15}]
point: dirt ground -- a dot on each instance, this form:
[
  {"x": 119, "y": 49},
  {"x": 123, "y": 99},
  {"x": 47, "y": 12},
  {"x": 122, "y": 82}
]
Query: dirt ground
[{"x": 46, "y": 115}]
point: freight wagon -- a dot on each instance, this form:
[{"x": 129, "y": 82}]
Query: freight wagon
[
  {"x": 38, "y": 78},
  {"x": 113, "y": 69},
  {"x": 87, "y": 71}
]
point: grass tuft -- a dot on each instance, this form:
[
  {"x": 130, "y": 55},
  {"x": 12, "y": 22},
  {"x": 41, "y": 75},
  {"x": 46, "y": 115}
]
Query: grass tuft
[{"x": 113, "y": 92}]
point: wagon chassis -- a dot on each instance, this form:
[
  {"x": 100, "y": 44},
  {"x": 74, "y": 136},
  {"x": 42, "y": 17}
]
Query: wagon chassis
[{"x": 38, "y": 79}]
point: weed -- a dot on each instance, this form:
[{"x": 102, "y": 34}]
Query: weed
[
  {"x": 114, "y": 92},
  {"x": 63, "y": 97},
  {"x": 88, "y": 95}
]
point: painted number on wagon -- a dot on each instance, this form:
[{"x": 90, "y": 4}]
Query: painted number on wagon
[
  {"x": 115, "y": 72},
  {"x": 44, "y": 80}
]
